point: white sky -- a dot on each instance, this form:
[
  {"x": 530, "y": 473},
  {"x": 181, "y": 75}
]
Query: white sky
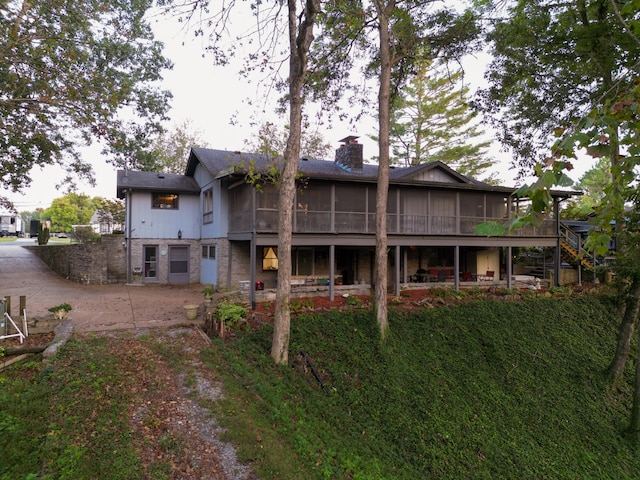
[{"x": 209, "y": 97}]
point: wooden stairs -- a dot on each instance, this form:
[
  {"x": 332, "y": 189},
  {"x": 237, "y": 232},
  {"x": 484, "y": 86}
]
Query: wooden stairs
[{"x": 571, "y": 251}]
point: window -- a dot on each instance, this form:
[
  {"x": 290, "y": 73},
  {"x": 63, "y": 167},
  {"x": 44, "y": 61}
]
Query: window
[
  {"x": 270, "y": 258},
  {"x": 208, "y": 251},
  {"x": 207, "y": 206},
  {"x": 150, "y": 266},
  {"x": 164, "y": 200}
]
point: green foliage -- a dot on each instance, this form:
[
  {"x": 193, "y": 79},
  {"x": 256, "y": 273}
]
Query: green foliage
[
  {"x": 481, "y": 390},
  {"x": 208, "y": 290},
  {"x": 63, "y": 306},
  {"x": 551, "y": 64},
  {"x": 65, "y": 421},
  {"x": 43, "y": 235},
  {"x": 354, "y": 301},
  {"x": 271, "y": 140},
  {"x": 77, "y": 68},
  {"x": 110, "y": 212},
  {"x": 487, "y": 389},
  {"x": 84, "y": 234},
  {"x": 172, "y": 148},
  {"x": 432, "y": 120},
  {"x": 70, "y": 210},
  {"x": 300, "y": 304},
  {"x": 230, "y": 312}
]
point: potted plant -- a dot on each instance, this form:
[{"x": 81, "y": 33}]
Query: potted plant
[
  {"x": 208, "y": 292},
  {"x": 60, "y": 311}
]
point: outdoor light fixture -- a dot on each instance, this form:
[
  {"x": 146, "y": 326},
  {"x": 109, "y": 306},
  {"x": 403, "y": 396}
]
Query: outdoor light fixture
[{"x": 179, "y": 234}]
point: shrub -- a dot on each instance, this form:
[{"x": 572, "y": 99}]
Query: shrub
[
  {"x": 230, "y": 313},
  {"x": 63, "y": 306}
]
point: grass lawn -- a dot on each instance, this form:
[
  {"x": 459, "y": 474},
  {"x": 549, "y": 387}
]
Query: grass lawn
[{"x": 480, "y": 390}]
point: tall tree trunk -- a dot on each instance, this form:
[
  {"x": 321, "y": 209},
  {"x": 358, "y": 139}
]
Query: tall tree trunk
[
  {"x": 300, "y": 38},
  {"x": 625, "y": 332},
  {"x": 382, "y": 191},
  {"x": 634, "y": 422}
]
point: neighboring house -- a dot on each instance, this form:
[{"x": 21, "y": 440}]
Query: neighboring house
[
  {"x": 211, "y": 225},
  {"x": 103, "y": 223}
]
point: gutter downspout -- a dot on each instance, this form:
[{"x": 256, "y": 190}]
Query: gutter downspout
[
  {"x": 252, "y": 253},
  {"x": 127, "y": 195}
]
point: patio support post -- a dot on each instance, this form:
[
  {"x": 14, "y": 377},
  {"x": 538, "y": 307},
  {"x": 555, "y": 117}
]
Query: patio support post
[
  {"x": 128, "y": 207},
  {"x": 332, "y": 268},
  {"x": 509, "y": 263},
  {"x": 557, "y": 258},
  {"x": 404, "y": 265},
  {"x": 456, "y": 267},
  {"x": 397, "y": 272}
]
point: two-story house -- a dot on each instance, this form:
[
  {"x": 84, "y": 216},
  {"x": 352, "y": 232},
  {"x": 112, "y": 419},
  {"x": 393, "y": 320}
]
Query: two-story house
[{"x": 217, "y": 224}]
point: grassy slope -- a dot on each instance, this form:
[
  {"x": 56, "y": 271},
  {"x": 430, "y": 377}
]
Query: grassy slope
[{"x": 482, "y": 390}]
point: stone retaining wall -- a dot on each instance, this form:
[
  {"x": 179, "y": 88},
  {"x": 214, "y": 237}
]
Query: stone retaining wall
[{"x": 96, "y": 262}]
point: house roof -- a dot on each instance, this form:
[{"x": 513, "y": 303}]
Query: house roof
[
  {"x": 153, "y": 181},
  {"x": 221, "y": 163}
]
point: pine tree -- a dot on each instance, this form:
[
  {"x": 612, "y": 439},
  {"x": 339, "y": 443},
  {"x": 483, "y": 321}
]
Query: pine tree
[{"x": 432, "y": 120}]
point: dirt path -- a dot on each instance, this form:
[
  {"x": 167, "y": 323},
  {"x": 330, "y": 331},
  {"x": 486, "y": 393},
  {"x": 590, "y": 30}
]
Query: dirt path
[{"x": 171, "y": 418}]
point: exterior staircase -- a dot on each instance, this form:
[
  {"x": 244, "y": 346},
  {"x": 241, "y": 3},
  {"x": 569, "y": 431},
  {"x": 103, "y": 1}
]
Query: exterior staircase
[{"x": 571, "y": 248}]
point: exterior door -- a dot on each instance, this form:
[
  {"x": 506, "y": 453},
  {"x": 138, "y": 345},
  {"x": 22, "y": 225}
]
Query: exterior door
[{"x": 178, "y": 264}]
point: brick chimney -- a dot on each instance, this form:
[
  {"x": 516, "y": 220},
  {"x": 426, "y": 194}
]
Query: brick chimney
[{"x": 349, "y": 155}]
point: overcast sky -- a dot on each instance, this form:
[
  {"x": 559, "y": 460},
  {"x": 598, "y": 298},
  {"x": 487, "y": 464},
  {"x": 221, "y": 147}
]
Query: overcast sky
[{"x": 209, "y": 97}]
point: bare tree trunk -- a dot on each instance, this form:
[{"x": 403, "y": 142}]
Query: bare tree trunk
[
  {"x": 300, "y": 38},
  {"x": 382, "y": 192},
  {"x": 625, "y": 332}
]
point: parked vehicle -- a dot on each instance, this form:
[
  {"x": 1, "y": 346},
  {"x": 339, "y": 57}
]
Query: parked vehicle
[
  {"x": 34, "y": 227},
  {"x": 10, "y": 225}
]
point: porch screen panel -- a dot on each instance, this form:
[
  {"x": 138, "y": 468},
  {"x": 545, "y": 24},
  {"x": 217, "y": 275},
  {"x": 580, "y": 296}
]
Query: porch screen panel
[
  {"x": 313, "y": 209},
  {"x": 443, "y": 212},
  {"x": 496, "y": 207},
  {"x": 392, "y": 210},
  {"x": 350, "y": 208},
  {"x": 240, "y": 209},
  {"x": 414, "y": 211},
  {"x": 472, "y": 211},
  {"x": 267, "y": 208}
]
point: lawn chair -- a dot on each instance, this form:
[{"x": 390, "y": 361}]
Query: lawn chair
[
  {"x": 489, "y": 275},
  {"x": 433, "y": 274}
]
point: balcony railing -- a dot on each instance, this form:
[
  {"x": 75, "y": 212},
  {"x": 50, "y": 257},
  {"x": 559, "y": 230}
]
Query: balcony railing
[{"x": 364, "y": 223}]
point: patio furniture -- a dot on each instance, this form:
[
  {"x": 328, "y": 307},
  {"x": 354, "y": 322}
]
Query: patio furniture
[
  {"x": 433, "y": 274},
  {"x": 488, "y": 276}
]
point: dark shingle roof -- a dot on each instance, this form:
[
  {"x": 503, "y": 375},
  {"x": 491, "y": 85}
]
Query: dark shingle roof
[
  {"x": 221, "y": 162},
  {"x": 153, "y": 181}
]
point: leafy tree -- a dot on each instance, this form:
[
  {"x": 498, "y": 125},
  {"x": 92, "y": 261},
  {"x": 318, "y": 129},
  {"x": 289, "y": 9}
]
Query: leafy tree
[
  {"x": 552, "y": 63},
  {"x": 593, "y": 183},
  {"x": 299, "y": 32},
  {"x": 110, "y": 212},
  {"x": 72, "y": 209},
  {"x": 407, "y": 32},
  {"x": 272, "y": 140},
  {"x": 172, "y": 148},
  {"x": 432, "y": 120},
  {"x": 571, "y": 68},
  {"x": 73, "y": 72}
]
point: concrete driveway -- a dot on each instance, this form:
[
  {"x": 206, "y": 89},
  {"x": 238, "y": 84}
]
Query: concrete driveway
[{"x": 95, "y": 307}]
